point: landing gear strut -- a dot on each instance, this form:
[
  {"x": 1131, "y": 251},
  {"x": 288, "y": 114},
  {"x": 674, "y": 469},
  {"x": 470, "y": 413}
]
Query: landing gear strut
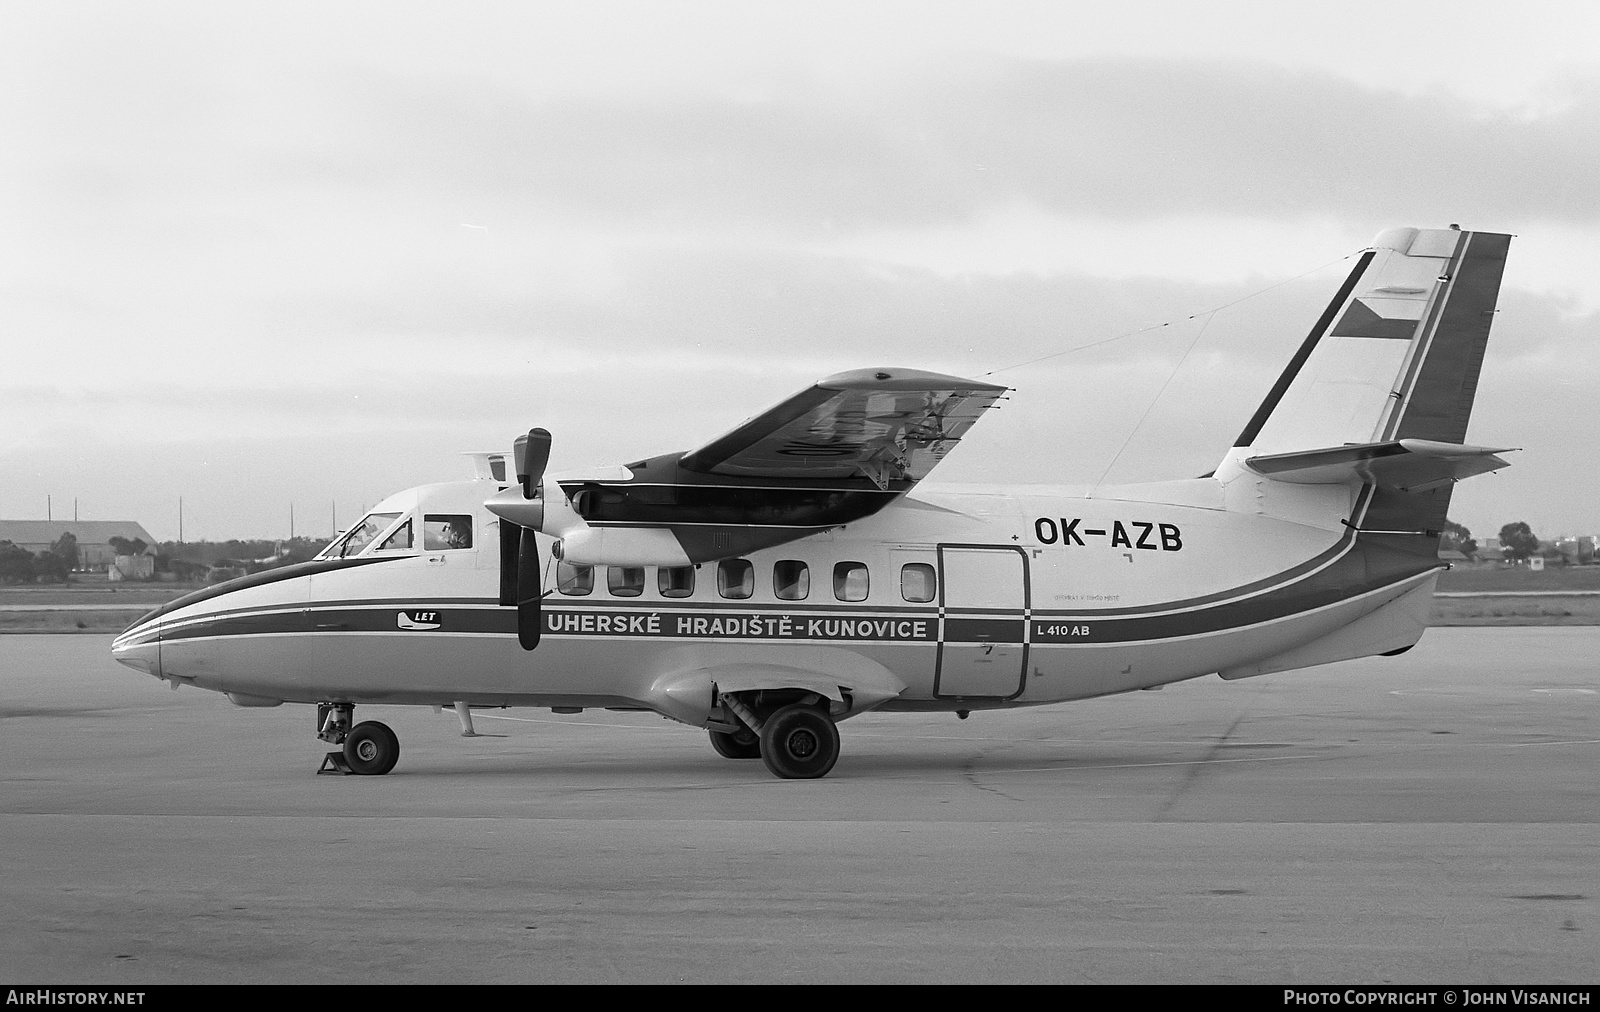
[{"x": 370, "y": 748}]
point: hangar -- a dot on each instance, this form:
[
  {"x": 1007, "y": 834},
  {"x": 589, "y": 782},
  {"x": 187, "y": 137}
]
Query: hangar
[{"x": 94, "y": 538}]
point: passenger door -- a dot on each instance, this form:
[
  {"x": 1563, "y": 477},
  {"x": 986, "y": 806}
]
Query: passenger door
[{"x": 983, "y": 598}]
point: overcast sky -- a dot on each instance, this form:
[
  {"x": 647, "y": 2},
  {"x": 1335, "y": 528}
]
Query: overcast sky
[{"x": 307, "y": 253}]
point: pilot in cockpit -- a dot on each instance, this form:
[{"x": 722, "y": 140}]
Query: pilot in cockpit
[{"x": 446, "y": 533}]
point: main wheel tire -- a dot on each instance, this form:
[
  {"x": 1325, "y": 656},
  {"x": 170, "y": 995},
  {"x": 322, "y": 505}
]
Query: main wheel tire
[
  {"x": 799, "y": 742},
  {"x": 742, "y": 744},
  {"x": 371, "y": 748}
]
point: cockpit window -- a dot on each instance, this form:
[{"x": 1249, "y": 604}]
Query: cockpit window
[
  {"x": 399, "y": 541},
  {"x": 444, "y": 532},
  {"x": 360, "y": 536}
]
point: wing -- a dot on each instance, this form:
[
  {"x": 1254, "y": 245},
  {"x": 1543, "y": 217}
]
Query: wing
[{"x": 887, "y": 425}]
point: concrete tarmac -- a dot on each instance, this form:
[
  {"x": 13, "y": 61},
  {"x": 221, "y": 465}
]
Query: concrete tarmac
[{"x": 1429, "y": 818}]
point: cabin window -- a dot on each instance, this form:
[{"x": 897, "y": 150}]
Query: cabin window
[
  {"x": 736, "y": 579},
  {"x": 361, "y": 535},
  {"x": 675, "y": 581},
  {"x": 850, "y": 581},
  {"x": 444, "y": 532},
  {"x": 574, "y": 581},
  {"x": 917, "y": 582},
  {"x": 497, "y": 468},
  {"x": 399, "y": 541},
  {"x": 791, "y": 580},
  {"x": 625, "y": 581}
]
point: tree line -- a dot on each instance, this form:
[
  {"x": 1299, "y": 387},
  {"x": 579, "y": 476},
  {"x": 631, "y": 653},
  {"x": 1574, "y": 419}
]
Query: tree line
[
  {"x": 53, "y": 565},
  {"x": 195, "y": 560},
  {"x": 191, "y": 560},
  {"x": 1517, "y": 540}
]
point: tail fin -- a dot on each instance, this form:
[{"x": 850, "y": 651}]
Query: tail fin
[{"x": 1390, "y": 369}]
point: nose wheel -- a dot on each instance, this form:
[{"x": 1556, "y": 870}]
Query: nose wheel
[{"x": 369, "y": 748}]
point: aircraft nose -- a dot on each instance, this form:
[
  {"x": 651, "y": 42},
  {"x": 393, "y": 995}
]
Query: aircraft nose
[{"x": 139, "y": 652}]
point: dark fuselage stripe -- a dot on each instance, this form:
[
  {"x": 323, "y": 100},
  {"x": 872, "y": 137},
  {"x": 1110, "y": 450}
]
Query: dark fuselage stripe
[{"x": 797, "y": 625}]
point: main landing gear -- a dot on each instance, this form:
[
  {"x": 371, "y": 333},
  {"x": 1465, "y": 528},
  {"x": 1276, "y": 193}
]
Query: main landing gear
[
  {"x": 370, "y": 748},
  {"x": 797, "y": 740},
  {"x": 741, "y": 744}
]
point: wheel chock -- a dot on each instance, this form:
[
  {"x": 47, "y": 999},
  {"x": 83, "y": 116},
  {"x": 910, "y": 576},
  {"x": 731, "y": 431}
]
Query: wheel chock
[{"x": 334, "y": 762}]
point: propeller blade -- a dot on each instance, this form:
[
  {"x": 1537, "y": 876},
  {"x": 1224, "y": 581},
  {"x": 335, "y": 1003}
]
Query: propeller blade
[
  {"x": 510, "y": 549},
  {"x": 532, "y": 453},
  {"x": 530, "y": 592}
]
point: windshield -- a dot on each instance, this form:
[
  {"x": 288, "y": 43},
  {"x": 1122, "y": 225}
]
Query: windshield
[{"x": 359, "y": 536}]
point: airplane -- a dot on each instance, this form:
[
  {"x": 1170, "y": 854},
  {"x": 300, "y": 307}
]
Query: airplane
[{"x": 796, "y": 571}]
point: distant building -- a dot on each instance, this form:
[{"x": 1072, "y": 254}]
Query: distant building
[
  {"x": 1577, "y": 550},
  {"x": 94, "y": 538}
]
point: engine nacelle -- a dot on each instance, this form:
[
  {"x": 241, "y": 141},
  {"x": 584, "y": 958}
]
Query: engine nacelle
[{"x": 621, "y": 546}]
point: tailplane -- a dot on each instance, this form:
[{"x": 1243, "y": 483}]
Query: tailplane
[{"x": 1374, "y": 405}]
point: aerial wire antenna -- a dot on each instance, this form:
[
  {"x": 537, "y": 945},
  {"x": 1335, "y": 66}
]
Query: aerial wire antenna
[
  {"x": 1157, "y": 398},
  {"x": 1168, "y": 323},
  {"x": 1209, "y": 314}
]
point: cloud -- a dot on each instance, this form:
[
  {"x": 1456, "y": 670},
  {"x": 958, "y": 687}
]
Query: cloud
[
  {"x": 266, "y": 266},
  {"x": 1137, "y": 139},
  {"x": 687, "y": 347},
  {"x": 1149, "y": 139}
]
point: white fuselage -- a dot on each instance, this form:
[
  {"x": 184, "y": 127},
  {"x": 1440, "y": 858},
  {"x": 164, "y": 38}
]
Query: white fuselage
[{"x": 971, "y": 598}]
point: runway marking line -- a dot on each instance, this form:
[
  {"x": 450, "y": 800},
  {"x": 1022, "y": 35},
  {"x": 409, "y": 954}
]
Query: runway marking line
[
  {"x": 905, "y": 737},
  {"x": 1073, "y": 741},
  {"x": 1130, "y": 766}
]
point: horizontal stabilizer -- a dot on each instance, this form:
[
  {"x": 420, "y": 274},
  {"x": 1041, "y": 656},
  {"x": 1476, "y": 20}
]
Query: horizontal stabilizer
[{"x": 1411, "y": 465}]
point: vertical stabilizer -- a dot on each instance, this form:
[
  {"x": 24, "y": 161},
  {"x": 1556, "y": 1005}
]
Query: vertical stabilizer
[{"x": 1396, "y": 355}]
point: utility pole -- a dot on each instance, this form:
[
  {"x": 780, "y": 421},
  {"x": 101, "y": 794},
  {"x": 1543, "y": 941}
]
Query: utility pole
[
  {"x": 291, "y": 521},
  {"x": 47, "y": 515},
  {"x": 180, "y": 519},
  {"x": 74, "y": 509}
]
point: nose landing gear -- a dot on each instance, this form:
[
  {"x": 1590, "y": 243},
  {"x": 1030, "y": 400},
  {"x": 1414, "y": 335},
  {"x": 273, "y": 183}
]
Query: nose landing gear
[{"x": 370, "y": 747}]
